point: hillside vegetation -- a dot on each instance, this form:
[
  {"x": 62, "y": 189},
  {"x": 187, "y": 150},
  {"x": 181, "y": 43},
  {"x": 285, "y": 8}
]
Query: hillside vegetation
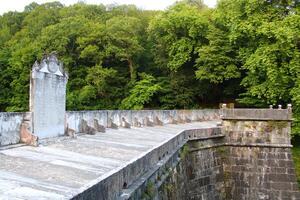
[
  {"x": 188, "y": 56},
  {"x": 296, "y": 157}
]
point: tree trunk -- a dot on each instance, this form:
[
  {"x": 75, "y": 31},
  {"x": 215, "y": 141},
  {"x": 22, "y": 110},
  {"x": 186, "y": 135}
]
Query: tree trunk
[{"x": 131, "y": 69}]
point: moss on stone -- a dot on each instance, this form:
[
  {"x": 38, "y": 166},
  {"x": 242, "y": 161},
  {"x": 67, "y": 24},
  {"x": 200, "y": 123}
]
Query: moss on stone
[
  {"x": 200, "y": 145},
  {"x": 149, "y": 192},
  {"x": 226, "y": 175},
  {"x": 233, "y": 121},
  {"x": 223, "y": 152},
  {"x": 277, "y": 124},
  {"x": 170, "y": 188},
  {"x": 184, "y": 151}
]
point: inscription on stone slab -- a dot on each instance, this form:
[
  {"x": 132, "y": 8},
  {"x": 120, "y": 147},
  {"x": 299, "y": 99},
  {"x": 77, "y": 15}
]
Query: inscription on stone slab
[{"x": 48, "y": 97}]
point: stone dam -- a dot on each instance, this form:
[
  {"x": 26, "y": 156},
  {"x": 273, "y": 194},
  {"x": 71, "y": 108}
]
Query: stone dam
[{"x": 208, "y": 154}]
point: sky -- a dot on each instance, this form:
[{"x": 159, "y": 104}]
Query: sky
[{"x": 18, "y": 5}]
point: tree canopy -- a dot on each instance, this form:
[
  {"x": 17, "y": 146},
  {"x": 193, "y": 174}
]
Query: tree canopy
[{"x": 187, "y": 56}]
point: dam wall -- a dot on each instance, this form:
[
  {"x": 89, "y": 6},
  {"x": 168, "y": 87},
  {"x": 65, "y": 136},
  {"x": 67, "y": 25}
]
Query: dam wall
[
  {"x": 248, "y": 157},
  {"x": 259, "y": 162}
]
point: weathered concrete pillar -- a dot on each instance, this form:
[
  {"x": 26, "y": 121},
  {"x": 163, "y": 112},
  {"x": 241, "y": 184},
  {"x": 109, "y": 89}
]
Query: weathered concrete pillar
[
  {"x": 48, "y": 97},
  {"x": 259, "y": 163}
]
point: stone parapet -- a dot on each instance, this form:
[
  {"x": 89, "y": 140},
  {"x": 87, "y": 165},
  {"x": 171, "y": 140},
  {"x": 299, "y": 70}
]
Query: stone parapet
[
  {"x": 166, "y": 158},
  {"x": 257, "y": 126},
  {"x": 138, "y": 118},
  {"x": 257, "y": 132},
  {"x": 256, "y": 114},
  {"x": 10, "y": 123}
]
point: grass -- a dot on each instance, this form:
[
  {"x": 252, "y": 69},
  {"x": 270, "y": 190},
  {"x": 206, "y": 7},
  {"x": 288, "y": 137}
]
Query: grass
[{"x": 296, "y": 157}]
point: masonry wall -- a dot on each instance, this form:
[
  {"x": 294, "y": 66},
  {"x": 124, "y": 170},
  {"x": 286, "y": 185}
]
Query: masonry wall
[
  {"x": 259, "y": 163},
  {"x": 183, "y": 174},
  {"x": 198, "y": 177},
  {"x": 260, "y": 173},
  {"x": 205, "y": 174},
  {"x": 252, "y": 161}
]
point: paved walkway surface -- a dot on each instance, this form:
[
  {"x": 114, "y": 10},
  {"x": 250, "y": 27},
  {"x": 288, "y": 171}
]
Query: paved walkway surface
[{"x": 60, "y": 169}]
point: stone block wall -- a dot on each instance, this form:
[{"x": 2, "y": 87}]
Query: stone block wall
[
  {"x": 199, "y": 174},
  {"x": 179, "y": 171},
  {"x": 205, "y": 175},
  {"x": 260, "y": 173},
  {"x": 259, "y": 164},
  {"x": 258, "y": 132},
  {"x": 250, "y": 160}
]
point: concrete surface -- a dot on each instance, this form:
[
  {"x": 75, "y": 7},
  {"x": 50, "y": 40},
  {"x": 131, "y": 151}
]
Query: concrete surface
[{"x": 65, "y": 167}]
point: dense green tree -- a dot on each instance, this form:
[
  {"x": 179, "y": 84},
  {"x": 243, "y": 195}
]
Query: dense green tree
[
  {"x": 188, "y": 56},
  {"x": 265, "y": 35},
  {"x": 142, "y": 93},
  {"x": 176, "y": 34},
  {"x": 216, "y": 62},
  {"x": 123, "y": 41}
]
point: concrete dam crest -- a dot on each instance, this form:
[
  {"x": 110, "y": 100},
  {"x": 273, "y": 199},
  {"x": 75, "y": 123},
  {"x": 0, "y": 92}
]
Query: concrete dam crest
[{"x": 208, "y": 154}]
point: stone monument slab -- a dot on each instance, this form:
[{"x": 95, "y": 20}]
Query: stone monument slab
[{"x": 48, "y": 97}]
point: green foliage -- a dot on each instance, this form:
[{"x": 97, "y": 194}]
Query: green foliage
[
  {"x": 269, "y": 55},
  {"x": 149, "y": 192},
  {"x": 216, "y": 62},
  {"x": 243, "y": 51},
  {"x": 296, "y": 157},
  {"x": 184, "y": 151},
  {"x": 176, "y": 34},
  {"x": 141, "y": 93},
  {"x": 176, "y": 93}
]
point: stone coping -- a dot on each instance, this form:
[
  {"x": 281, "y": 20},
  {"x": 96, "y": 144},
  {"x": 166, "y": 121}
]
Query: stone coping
[{"x": 256, "y": 114}]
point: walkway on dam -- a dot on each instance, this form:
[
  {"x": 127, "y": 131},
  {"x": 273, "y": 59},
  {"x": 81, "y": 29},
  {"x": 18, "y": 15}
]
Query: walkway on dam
[{"x": 62, "y": 168}]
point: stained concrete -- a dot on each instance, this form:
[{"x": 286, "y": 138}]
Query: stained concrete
[
  {"x": 10, "y": 127},
  {"x": 64, "y": 168}
]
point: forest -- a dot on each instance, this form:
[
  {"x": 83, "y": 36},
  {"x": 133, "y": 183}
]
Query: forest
[{"x": 245, "y": 52}]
